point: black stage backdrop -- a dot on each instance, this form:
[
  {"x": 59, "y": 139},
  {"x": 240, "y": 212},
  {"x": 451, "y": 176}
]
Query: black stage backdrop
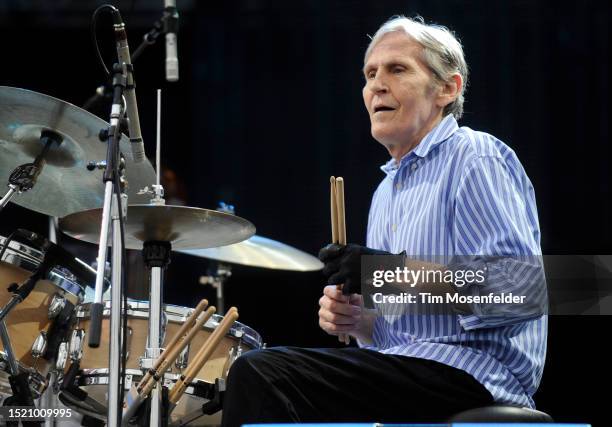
[{"x": 269, "y": 105}]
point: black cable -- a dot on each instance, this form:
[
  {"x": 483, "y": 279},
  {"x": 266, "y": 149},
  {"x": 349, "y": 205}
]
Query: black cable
[
  {"x": 117, "y": 184},
  {"x": 94, "y": 36}
]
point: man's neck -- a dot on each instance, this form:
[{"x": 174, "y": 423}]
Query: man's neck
[{"x": 398, "y": 151}]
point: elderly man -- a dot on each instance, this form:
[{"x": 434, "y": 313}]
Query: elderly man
[{"x": 449, "y": 191}]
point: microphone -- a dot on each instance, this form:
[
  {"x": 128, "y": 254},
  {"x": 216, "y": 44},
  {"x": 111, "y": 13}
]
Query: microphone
[
  {"x": 171, "y": 29},
  {"x": 123, "y": 52}
]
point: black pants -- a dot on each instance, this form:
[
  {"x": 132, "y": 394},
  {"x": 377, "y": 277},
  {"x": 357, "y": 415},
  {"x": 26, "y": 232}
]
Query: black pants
[{"x": 288, "y": 384}]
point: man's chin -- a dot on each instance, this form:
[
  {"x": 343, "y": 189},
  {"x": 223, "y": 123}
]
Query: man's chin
[{"x": 383, "y": 136}]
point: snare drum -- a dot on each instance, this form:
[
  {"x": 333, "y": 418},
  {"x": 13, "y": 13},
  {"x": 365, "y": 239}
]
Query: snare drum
[
  {"x": 29, "y": 321},
  {"x": 94, "y": 362}
]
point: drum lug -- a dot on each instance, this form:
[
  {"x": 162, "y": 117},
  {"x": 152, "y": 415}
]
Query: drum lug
[
  {"x": 62, "y": 356},
  {"x": 164, "y": 324},
  {"x": 234, "y": 353},
  {"x": 57, "y": 305},
  {"x": 128, "y": 341},
  {"x": 40, "y": 345},
  {"x": 183, "y": 358},
  {"x": 75, "y": 350}
]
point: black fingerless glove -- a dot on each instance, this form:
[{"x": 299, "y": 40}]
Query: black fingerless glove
[{"x": 343, "y": 265}]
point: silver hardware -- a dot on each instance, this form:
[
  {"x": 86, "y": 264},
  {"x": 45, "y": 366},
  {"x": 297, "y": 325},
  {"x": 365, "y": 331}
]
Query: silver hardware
[
  {"x": 157, "y": 191},
  {"x": 28, "y": 258},
  {"x": 164, "y": 324},
  {"x": 57, "y": 305},
  {"x": 234, "y": 353},
  {"x": 40, "y": 345},
  {"x": 147, "y": 362},
  {"x": 239, "y": 333},
  {"x": 36, "y": 381},
  {"x": 38, "y": 384},
  {"x": 183, "y": 358},
  {"x": 128, "y": 342},
  {"x": 76, "y": 344},
  {"x": 62, "y": 356}
]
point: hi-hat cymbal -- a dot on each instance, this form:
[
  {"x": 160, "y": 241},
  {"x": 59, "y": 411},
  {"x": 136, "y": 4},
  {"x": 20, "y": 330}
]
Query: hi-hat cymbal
[
  {"x": 184, "y": 227},
  {"x": 261, "y": 252},
  {"x": 65, "y": 185}
]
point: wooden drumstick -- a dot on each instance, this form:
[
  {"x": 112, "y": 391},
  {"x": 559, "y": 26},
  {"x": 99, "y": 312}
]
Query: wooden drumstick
[
  {"x": 334, "y": 209},
  {"x": 340, "y": 207},
  {"x": 180, "y": 334},
  {"x": 338, "y": 225},
  {"x": 202, "y": 356},
  {"x": 172, "y": 353}
]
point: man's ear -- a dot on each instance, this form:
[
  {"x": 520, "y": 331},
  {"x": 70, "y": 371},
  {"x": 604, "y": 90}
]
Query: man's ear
[{"x": 450, "y": 90}]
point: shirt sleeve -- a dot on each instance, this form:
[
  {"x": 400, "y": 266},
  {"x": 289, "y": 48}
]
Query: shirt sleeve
[{"x": 496, "y": 231}]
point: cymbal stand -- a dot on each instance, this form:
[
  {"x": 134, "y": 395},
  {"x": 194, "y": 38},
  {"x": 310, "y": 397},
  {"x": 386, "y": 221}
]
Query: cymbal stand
[
  {"x": 216, "y": 278},
  {"x": 25, "y": 176},
  {"x": 110, "y": 212},
  {"x": 157, "y": 257}
]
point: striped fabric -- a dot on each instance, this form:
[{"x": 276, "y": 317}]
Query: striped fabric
[{"x": 462, "y": 192}]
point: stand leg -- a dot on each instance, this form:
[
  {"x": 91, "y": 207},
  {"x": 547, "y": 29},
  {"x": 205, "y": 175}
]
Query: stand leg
[
  {"x": 48, "y": 400},
  {"x": 8, "y": 349}
]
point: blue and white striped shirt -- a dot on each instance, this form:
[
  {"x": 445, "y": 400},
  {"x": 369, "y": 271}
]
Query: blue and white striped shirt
[{"x": 462, "y": 192}]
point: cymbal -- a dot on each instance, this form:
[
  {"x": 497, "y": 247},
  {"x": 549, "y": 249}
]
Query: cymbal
[
  {"x": 65, "y": 185},
  {"x": 184, "y": 227},
  {"x": 261, "y": 252}
]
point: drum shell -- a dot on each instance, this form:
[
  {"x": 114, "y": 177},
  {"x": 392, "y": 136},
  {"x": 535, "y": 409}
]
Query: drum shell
[
  {"x": 28, "y": 318},
  {"x": 93, "y": 377},
  {"x": 138, "y": 324}
]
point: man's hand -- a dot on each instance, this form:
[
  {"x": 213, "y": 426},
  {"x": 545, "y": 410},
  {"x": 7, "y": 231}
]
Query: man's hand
[
  {"x": 343, "y": 265},
  {"x": 343, "y": 314}
]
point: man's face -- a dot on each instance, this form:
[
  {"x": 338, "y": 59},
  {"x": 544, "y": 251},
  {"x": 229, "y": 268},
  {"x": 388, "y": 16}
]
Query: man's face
[{"x": 399, "y": 93}]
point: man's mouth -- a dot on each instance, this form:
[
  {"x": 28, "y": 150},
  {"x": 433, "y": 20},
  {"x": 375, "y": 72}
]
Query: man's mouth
[{"x": 380, "y": 108}]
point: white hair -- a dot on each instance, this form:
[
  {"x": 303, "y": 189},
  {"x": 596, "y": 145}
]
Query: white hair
[{"x": 442, "y": 52}]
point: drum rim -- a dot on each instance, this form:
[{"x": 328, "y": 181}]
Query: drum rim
[
  {"x": 100, "y": 376},
  {"x": 58, "y": 276},
  {"x": 140, "y": 309}
]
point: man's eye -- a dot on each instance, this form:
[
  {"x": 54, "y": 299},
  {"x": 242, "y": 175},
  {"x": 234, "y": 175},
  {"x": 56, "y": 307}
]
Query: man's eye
[
  {"x": 370, "y": 74},
  {"x": 397, "y": 70}
]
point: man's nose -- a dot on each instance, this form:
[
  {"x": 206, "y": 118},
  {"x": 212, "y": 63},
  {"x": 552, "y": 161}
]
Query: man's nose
[{"x": 379, "y": 84}]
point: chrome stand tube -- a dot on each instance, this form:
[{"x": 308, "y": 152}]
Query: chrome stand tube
[
  {"x": 8, "y": 196},
  {"x": 115, "y": 407},
  {"x": 8, "y": 349},
  {"x": 154, "y": 350}
]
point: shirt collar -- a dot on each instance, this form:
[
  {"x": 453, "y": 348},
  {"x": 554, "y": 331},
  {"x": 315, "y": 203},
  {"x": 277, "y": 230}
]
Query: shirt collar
[{"x": 437, "y": 135}]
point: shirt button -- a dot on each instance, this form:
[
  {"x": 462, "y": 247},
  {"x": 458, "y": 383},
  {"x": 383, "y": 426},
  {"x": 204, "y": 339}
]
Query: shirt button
[
  {"x": 394, "y": 227},
  {"x": 414, "y": 166},
  {"x": 398, "y": 186}
]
